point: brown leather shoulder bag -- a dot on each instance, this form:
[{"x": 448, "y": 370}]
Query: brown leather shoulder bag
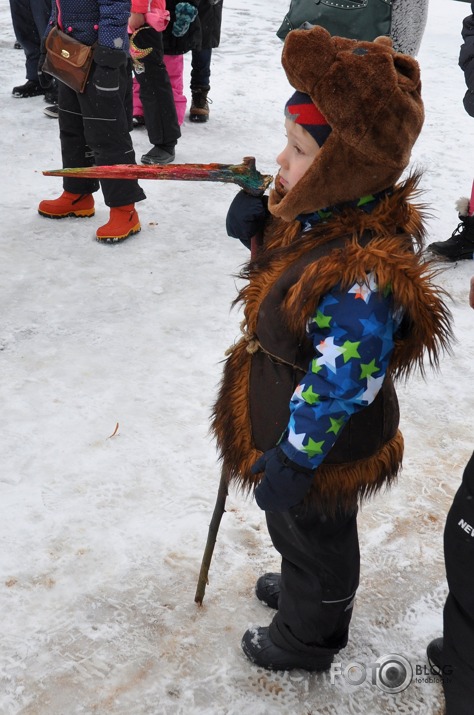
[{"x": 67, "y": 59}]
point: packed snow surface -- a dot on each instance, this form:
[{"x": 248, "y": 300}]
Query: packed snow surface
[{"x": 102, "y": 528}]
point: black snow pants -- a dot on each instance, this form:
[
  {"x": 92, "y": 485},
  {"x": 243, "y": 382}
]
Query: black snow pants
[
  {"x": 319, "y": 577},
  {"x": 458, "y": 636},
  {"x": 30, "y": 20},
  {"x": 156, "y": 94},
  {"x": 94, "y": 129}
]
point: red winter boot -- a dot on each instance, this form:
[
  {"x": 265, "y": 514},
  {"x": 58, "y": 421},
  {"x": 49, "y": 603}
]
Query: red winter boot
[
  {"x": 123, "y": 222},
  {"x": 80, "y": 205}
]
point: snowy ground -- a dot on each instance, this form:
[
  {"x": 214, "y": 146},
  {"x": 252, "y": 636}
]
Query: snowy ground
[{"x": 101, "y": 536}]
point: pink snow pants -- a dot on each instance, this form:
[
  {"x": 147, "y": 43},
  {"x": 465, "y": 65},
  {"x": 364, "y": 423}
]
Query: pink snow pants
[{"x": 175, "y": 66}]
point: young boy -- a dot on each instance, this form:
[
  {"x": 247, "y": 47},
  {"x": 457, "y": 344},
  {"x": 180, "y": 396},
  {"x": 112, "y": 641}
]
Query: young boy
[{"x": 337, "y": 303}]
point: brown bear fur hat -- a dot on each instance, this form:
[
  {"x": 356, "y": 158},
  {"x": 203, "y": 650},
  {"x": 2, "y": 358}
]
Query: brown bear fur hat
[{"x": 370, "y": 95}]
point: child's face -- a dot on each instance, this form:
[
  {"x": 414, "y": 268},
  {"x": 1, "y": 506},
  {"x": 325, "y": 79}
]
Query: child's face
[{"x": 298, "y": 155}]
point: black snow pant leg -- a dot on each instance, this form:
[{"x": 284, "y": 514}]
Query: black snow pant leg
[
  {"x": 30, "y": 19},
  {"x": 98, "y": 126},
  {"x": 156, "y": 93},
  {"x": 458, "y": 637},
  {"x": 74, "y": 150},
  {"x": 319, "y": 577}
]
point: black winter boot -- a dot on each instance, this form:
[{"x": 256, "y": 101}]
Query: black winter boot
[
  {"x": 461, "y": 244},
  {"x": 31, "y": 88},
  {"x": 435, "y": 655},
  {"x": 199, "y": 111},
  {"x": 267, "y": 589},
  {"x": 260, "y": 649},
  {"x": 164, "y": 154}
]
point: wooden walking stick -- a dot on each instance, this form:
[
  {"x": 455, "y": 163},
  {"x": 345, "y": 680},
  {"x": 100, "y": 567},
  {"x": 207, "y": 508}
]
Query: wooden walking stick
[
  {"x": 219, "y": 509},
  {"x": 217, "y": 514}
]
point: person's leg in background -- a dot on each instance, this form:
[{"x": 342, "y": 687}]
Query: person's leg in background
[
  {"x": 200, "y": 84},
  {"x": 95, "y": 130},
  {"x": 30, "y": 19},
  {"x": 157, "y": 100},
  {"x": 452, "y": 656},
  {"x": 77, "y": 198},
  {"x": 138, "y": 117},
  {"x": 175, "y": 66}
]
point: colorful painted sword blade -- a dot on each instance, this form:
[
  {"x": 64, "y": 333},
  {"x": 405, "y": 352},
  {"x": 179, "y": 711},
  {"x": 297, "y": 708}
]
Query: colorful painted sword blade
[{"x": 245, "y": 174}]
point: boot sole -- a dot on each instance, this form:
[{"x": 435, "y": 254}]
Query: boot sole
[
  {"x": 449, "y": 259},
  {"x": 85, "y": 213},
  {"x": 116, "y": 239},
  {"x": 149, "y": 162},
  {"x": 199, "y": 118},
  {"x": 27, "y": 96}
]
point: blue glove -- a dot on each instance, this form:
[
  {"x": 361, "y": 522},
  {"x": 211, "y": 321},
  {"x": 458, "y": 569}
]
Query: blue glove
[
  {"x": 285, "y": 484},
  {"x": 185, "y": 14},
  {"x": 246, "y": 216}
]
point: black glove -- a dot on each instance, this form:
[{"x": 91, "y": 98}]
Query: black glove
[
  {"x": 106, "y": 74},
  {"x": 468, "y": 102},
  {"x": 246, "y": 216},
  {"x": 285, "y": 484}
]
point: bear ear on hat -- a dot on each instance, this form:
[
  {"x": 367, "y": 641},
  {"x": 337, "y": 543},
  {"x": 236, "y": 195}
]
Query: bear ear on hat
[
  {"x": 408, "y": 73},
  {"x": 384, "y": 40},
  {"x": 307, "y": 55}
]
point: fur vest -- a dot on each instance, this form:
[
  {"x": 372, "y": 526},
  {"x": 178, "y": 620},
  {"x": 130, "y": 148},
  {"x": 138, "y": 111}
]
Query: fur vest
[{"x": 285, "y": 285}]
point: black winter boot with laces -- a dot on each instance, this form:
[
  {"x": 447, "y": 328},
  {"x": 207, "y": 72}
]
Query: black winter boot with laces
[
  {"x": 199, "y": 111},
  {"x": 461, "y": 244}
]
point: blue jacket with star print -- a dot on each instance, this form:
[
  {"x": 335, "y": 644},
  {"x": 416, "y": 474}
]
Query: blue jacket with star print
[{"x": 353, "y": 337}]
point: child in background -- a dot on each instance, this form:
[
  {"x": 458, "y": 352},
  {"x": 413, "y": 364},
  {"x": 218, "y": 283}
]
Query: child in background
[
  {"x": 147, "y": 21},
  {"x": 94, "y": 124},
  {"x": 338, "y": 302},
  {"x": 181, "y": 33},
  {"x": 194, "y": 27}
]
